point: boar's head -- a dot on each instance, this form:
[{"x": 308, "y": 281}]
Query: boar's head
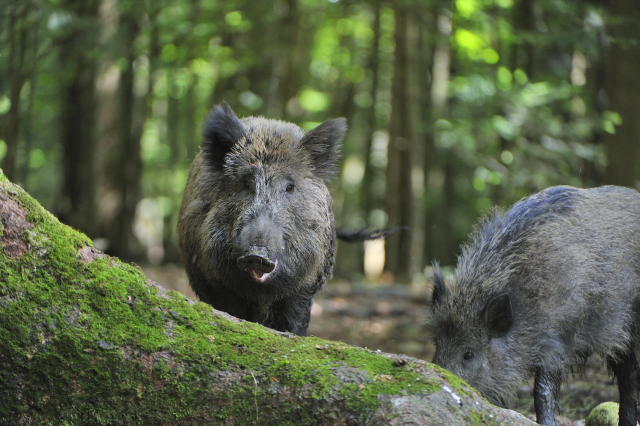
[
  {"x": 269, "y": 210},
  {"x": 473, "y": 335}
]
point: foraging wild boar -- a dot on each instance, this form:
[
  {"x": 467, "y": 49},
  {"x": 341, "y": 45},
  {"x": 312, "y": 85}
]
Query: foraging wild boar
[
  {"x": 256, "y": 227},
  {"x": 551, "y": 282}
]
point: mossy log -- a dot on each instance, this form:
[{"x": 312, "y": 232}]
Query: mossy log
[{"x": 87, "y": 340}]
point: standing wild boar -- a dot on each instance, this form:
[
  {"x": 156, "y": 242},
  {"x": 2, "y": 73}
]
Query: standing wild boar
[
  {"x": 551, "y": 282},
  {"x": 256, "y": 227}
]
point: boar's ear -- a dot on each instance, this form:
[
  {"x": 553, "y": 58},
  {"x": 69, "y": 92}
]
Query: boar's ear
[
  {"x": 323, "y": 144},
  {"x": 221, "y": 130},
  {"x": 439, "y": 285},
  {"x": 498, "y": 315}
]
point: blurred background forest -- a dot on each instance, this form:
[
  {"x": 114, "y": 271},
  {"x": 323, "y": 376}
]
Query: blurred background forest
[{"x": 453, "y": 107}]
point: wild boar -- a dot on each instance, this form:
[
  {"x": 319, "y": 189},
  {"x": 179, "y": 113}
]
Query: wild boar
[
  {"x": 551, "y": 282},
  {"x": 256, "y": 227}
]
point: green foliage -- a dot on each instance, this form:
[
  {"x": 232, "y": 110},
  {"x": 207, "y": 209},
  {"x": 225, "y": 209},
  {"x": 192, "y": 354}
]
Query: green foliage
[{"x": 521, "y": 110}]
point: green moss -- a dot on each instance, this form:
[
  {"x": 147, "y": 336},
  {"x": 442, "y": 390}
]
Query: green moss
[
  {"x": 458, "y": 385},
  {"x": 605, "y": 414},
  {"x": 119, "y": 340},
  {"x": 480, "y": 418}
]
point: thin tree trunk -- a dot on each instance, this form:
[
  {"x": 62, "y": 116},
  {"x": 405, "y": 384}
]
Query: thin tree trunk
[
  {"x": 596, "y": 79},
  {"x": 128, "y": 170},
  {"x": 525, "y": 24},
  {"x": 438, "y": 238},
  {"x": 416, "y": 132},
  {"x": 32, "y": 56},
  {"x": 623, "y": 92},
  {"x": 294, "y": 50},
  {"x": 16, "y": 35},
  {"x": 399, "y": 195},
  {"x": 77, "y": 204},
  {"x": 350, "y": 259},
  {"x": 367, "y": 201},
  {"x": 426, "y": 81}
]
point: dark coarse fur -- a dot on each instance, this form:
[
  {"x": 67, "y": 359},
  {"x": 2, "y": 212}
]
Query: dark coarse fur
[
  {"x": 552, "y": 282},
  {"x": 256, "y": 227}
]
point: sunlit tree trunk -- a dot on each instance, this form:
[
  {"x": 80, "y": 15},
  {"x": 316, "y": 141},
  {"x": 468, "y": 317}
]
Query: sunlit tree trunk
[
  {"x": 623, "y": 93},
  {"x": 419, "y": 56},
  {"x": 439, "y": 170},
  {"x": 367, "y": 200},
  {"x": 428, "y": 43},
  {"x": 350, "y": 257}
]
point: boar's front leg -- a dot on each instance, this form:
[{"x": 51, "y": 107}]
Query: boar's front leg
[
  {"x": 625, "y": 369},
  {"x": 291, "y": 314},
  {"x": 300, "y": 324},
  {"x": 545, "y": 395}
]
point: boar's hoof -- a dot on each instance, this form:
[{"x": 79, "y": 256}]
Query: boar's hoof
[{"x": 257, "y": 263}]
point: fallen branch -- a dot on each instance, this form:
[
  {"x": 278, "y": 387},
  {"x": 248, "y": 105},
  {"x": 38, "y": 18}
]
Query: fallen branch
[{"x": 86, "y": 339}]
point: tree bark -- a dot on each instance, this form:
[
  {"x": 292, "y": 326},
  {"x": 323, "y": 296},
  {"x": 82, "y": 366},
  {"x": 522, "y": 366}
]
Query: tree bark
[
  {"x": 16, "y": 80},
  {"x": 86, "y": 339},
  {"x": 399, "y": 196},
  {"x": 77, "y": 55},
  {"x": 367, "y": 199},
  {"x": 439, "y": 243},
  {"x": 525, "y": 25},
  {"x": 127, "y": 170},
  {"x": 623, "y": 93}
]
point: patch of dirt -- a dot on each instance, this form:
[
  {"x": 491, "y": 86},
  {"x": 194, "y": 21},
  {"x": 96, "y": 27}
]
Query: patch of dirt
[{"x": 392, "y": 318}]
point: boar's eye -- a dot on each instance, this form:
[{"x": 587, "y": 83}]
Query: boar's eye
[
  {"x": 246, "y": 182},
  {"x": 468, "y": 355},
  {"x": 289, "y": 188}
]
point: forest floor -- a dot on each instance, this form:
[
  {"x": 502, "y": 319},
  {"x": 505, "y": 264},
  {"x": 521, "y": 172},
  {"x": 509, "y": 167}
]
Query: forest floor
[{"x": 392, "y": 318}]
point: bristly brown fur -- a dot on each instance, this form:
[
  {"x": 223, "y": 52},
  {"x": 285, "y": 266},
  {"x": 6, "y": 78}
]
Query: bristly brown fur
[
  {"x": 258, "y": 185},
  {"x": 256, "y": 196}
]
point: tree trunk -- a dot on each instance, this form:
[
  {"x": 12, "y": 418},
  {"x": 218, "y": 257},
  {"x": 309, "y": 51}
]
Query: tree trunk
[
  {"x": 439, "y": 179},
  {"x": 296, "y": 50},
  {"x": 623, "y": 92},
  {"x": 399, "y": 195},
  {"x": 289, "y": 61},
  {"x": 367, "y": 201},
  {"x": 77, "y": 49},
  {"x": 17, "y": 35},
  {"x": 127, "y": 170},
  {"x": 525, "y": 24},
  {"x": 86, "y": 339}
]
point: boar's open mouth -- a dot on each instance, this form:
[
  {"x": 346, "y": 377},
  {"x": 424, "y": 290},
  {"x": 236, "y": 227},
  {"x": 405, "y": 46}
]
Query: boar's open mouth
[{"x": 258, "y": 264}]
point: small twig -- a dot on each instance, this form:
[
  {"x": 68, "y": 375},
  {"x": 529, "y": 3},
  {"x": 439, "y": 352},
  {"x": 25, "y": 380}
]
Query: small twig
[{"x": 255, "y": 393}]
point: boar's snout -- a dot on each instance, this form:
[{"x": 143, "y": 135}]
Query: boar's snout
[{"x": 256, "y": 261}]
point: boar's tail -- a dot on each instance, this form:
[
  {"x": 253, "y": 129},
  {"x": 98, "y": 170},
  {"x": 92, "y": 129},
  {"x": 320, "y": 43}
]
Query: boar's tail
[{"x": 367, "y": 234}]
